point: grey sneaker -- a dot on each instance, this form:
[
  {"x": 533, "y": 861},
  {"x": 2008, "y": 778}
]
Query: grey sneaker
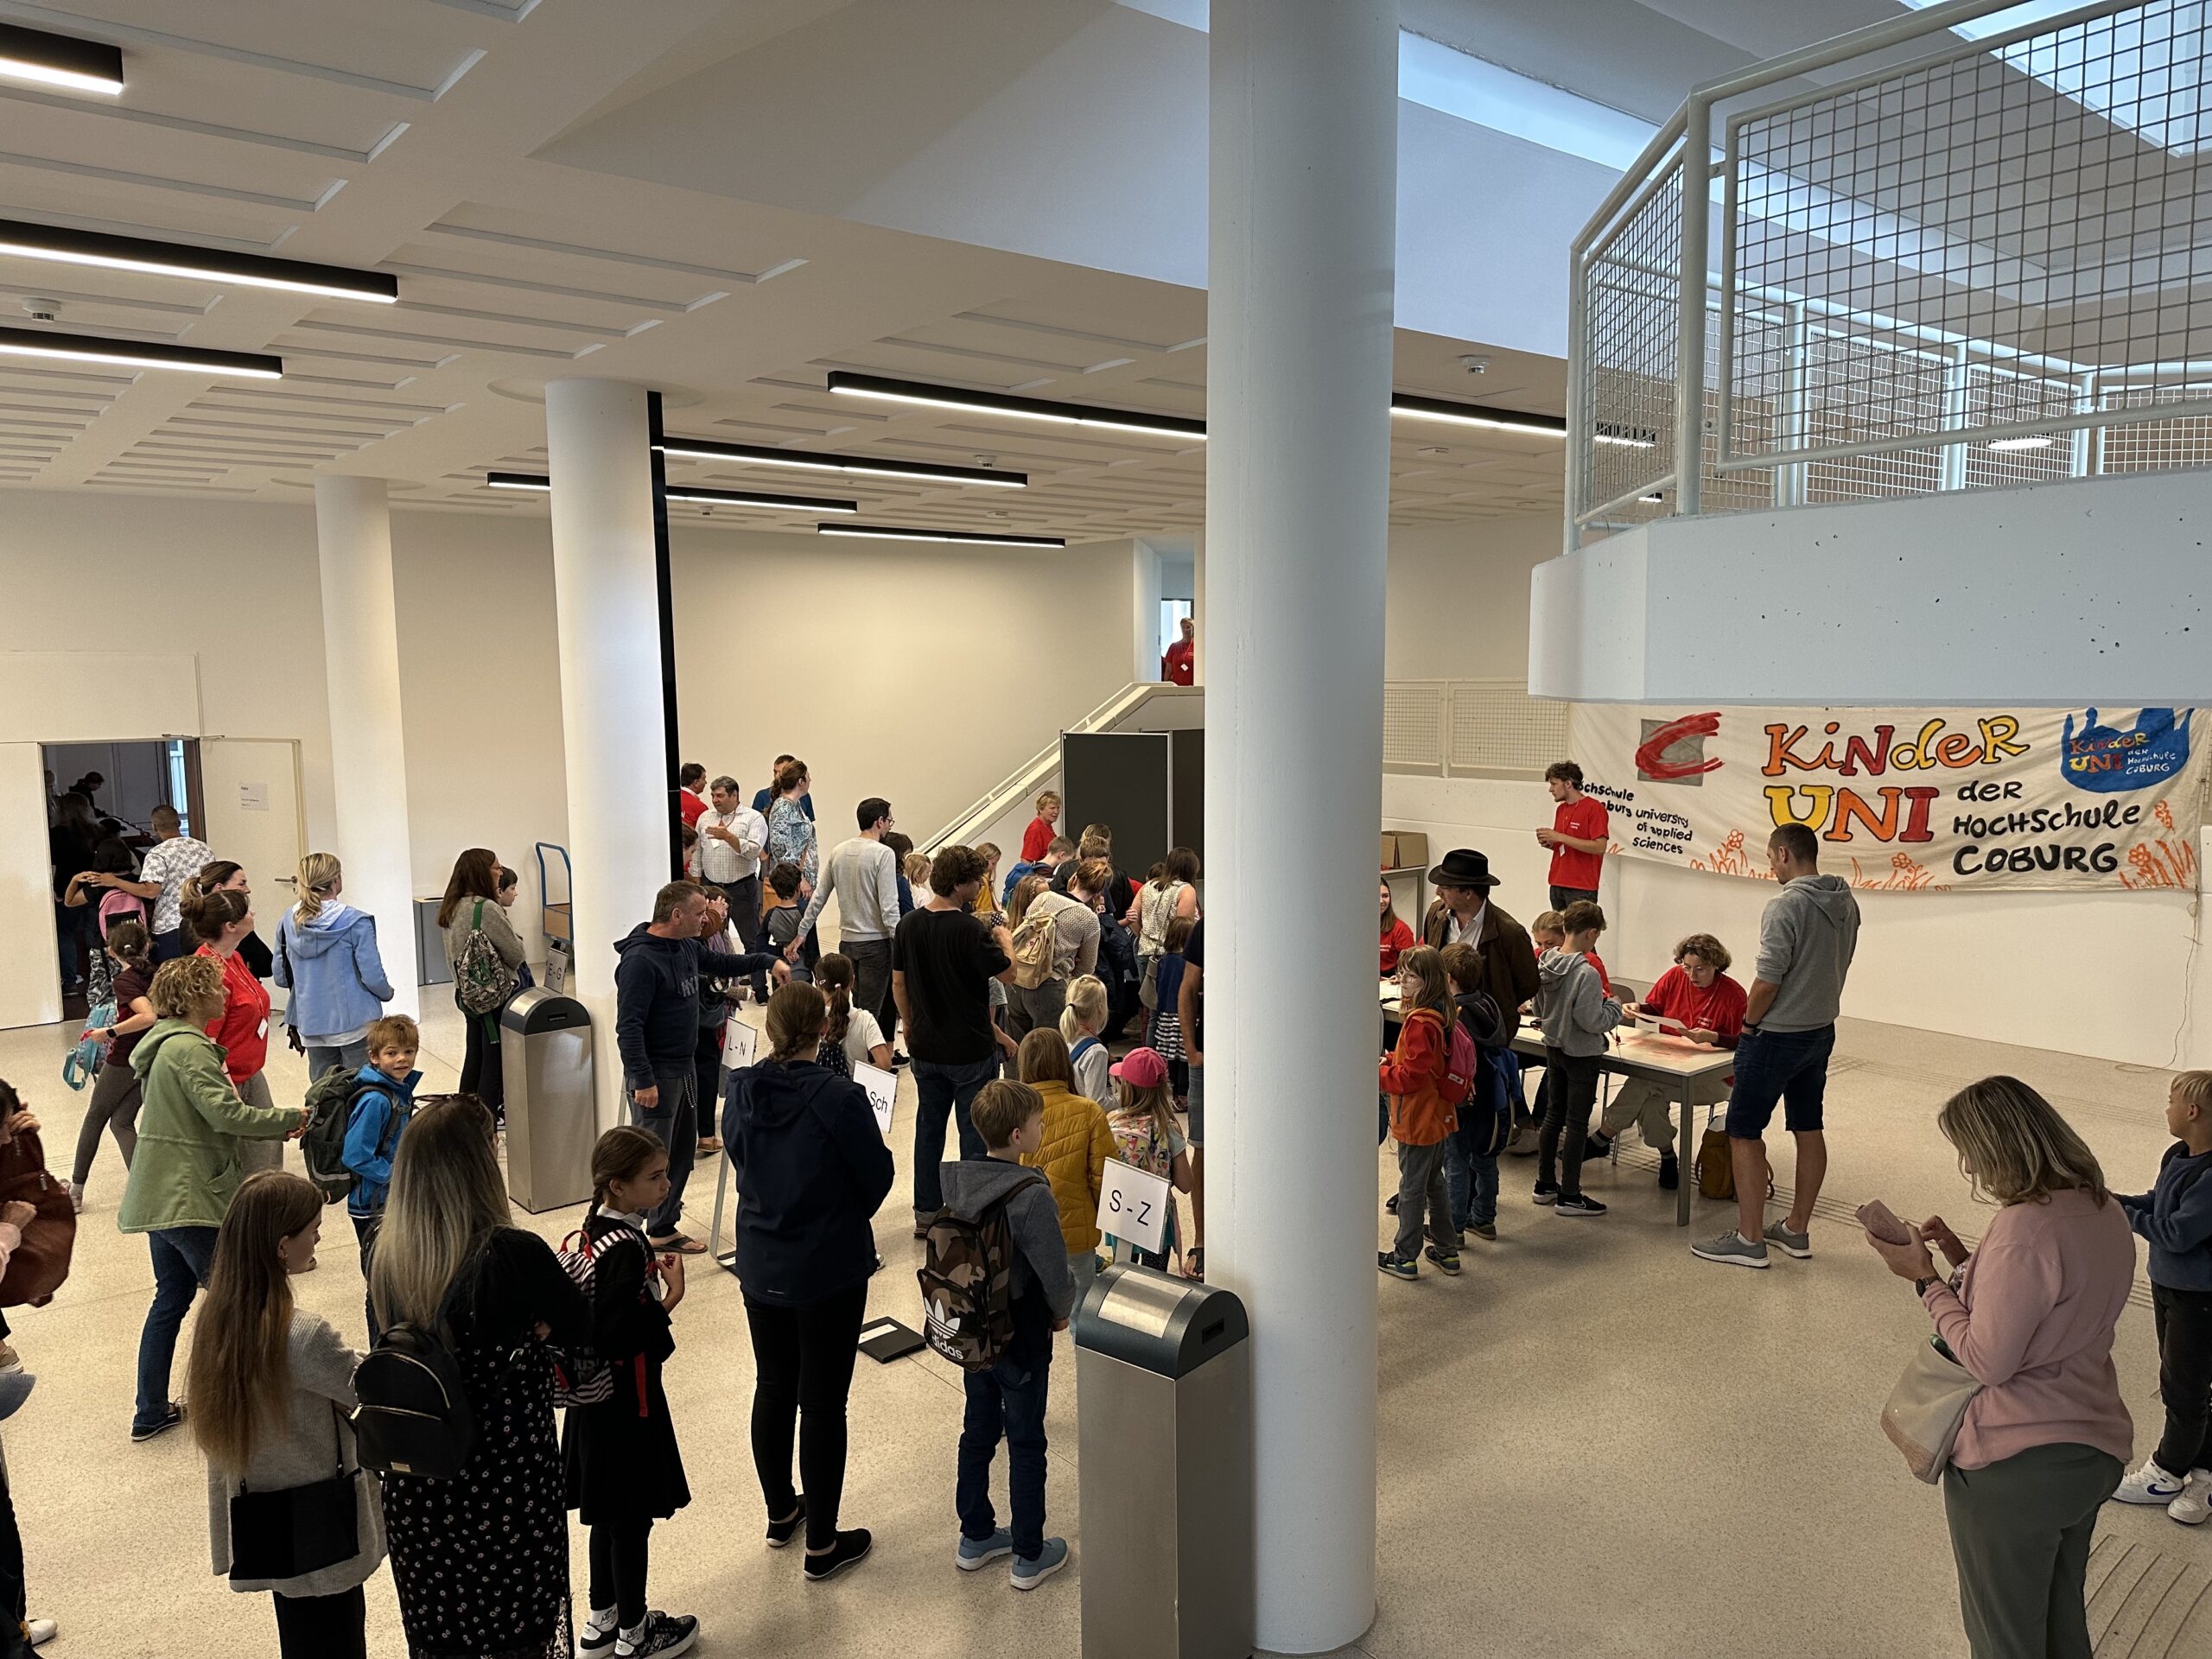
[
  {"x": 975, "y": 1554},
  {"x": 1028, "y": 1575},
  {"x": 1732, "y": 1248},
  {"x": 1797, "y": 1244}
]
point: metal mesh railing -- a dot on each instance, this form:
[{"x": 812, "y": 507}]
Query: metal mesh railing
[{"x": 1988, "y": 265}]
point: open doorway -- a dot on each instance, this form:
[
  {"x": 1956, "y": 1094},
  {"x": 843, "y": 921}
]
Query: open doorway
[{"x": 100, "y": 803}]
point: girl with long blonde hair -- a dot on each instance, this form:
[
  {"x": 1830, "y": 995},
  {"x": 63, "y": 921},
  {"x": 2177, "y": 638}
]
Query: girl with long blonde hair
[{"x": 327, "y": 957}]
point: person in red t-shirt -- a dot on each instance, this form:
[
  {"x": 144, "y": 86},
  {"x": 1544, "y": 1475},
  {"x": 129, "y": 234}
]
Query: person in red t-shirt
[
  {"x": 1178, "y": 663},
  {"x": 221, "y": 920},
  {"x": 1397, "y": 937},
  {"x": 691, "y": 792},
  {"x": 1576, "y": 837},
  {"x": 1696, "y": 1001},
  {"x": 1039, "y": 836}
]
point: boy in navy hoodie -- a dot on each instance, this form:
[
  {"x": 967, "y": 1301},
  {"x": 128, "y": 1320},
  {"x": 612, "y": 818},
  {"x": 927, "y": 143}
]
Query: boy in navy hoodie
[
  {"x": 1009, "y": 1400},
  {"x": 384, "y": 1101},
  {"x": 2175, "y": 1218}
]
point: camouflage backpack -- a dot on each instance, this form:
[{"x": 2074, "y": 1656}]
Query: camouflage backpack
[{"x": 967, "y": 1279}]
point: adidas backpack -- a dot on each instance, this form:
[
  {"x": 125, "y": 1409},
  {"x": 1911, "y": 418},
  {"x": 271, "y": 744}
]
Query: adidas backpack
[{"x": 967, "y": 1279}]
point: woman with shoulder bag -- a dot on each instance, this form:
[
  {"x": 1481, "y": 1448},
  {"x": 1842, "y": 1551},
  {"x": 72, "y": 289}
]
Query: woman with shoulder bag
[
  {"x": 2030, "y": 1315},
  {"x": 480, "y": 1560},
  {"x": 270, "y": 1384},
  {"x": 472, "y": 908},
  {"x": 1172, "y": 893},
  {"x": 327, "y": 957}
]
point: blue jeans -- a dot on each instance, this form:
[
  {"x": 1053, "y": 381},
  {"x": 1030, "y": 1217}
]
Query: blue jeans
[
  {"x": 1472, "y": 1183},
  {"x": 169, "y": 946},
  {"x": 1008, "y": 1400},
  {"x": 1790, "y": 1067},
  {"x": 182, "y": 1256},
  {"x": 939, "y": 1087}
]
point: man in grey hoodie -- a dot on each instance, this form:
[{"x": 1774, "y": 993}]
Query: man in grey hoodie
[{"x": 1807, "y": 937}]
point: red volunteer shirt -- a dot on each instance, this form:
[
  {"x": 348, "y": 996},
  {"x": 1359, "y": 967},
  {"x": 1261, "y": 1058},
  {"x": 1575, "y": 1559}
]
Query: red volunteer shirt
[
  {"x": 1718, "y": 1009},
  {"x": 1585, "y": 820},
  {"x": 1399, "y": 940},
  {"x": 1176, "y": 665},
  {"x": 1035, "y": 839},
  {"x": 243, "y": 1026},
  {"x": 689, "y": 804}
]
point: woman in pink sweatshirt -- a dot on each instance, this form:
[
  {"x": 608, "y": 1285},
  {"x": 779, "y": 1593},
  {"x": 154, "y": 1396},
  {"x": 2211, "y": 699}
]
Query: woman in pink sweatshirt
[{"x": 2030, "y": 1312}]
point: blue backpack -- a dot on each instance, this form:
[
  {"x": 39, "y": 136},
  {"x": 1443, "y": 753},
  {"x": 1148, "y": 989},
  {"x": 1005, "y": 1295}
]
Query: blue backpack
[{"x": 84, "y": 1062}]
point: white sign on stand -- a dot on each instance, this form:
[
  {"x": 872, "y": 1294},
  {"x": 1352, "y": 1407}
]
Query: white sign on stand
[
  {"x": 1133, "y": 1206},
  {"x": 740, "y": 1043},
  {"x": 882, "y": 1091}
]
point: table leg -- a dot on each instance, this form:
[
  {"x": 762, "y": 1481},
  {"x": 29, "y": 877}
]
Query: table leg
[
  {"x": 727, "y": 1263},
  {"x": 1685, "y": 1171}
]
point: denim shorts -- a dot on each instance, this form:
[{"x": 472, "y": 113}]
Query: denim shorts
[
  {"x": 1196, "y": 1102},
  {"x": 1789, "y": 1066}
]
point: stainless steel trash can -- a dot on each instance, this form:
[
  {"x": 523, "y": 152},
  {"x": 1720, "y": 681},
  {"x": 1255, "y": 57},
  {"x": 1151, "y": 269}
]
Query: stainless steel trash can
[
  {"x": 1164, "y": 1444},
  {"x": 545, "y": 1058}
]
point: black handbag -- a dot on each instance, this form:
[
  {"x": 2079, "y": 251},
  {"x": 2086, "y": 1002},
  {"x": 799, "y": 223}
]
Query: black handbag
[{"x": 295, "y": 1530}]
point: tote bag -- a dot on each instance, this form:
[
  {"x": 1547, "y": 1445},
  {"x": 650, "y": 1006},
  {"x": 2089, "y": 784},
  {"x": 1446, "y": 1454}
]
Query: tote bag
[{"x": 1926, "y": 1407}]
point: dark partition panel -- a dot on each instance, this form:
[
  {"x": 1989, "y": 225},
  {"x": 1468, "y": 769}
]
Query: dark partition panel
[
  {"x": 1187, "y": 771},
  {"x": 1119, "y": 779}
]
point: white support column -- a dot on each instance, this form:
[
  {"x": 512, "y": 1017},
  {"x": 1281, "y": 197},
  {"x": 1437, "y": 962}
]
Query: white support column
[
  {"x": 1303, "y": 193},
  {"x": 1199, "y": 607},
  {"x": 606, "y": 593},
  {"x": 1144, "y": 610},
  {"x": 368, "y": 748}
]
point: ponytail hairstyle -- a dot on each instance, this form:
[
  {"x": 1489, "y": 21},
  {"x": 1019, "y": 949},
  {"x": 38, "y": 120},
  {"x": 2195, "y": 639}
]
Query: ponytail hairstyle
[
  {"x": 788, "y": 777},
  {"x": 319, "y": 874},
  {"x": 238, "y": 1382},
  {"x": 1086, "y": 1008},
  {"x": 621, "y": 1155},
  {"x": 796, "y": 1014},
  {"x": 833, "y": 977},
  {"x": 1426, "y": 964},
  {"x": 127, "y": 942},
  {"x": 214, "y": 874},
  {"x": 207, "y": 912}
]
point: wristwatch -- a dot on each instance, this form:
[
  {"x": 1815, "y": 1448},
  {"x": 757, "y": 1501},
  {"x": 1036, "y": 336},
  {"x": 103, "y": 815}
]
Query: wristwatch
[{"x": 1920, "y": 1286}]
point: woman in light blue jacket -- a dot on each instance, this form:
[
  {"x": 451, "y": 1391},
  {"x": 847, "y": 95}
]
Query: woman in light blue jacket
[{"x": 326, "y": 958}]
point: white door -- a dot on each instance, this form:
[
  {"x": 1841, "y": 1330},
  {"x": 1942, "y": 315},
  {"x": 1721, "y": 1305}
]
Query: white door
[{"x": 250, "y": 792}]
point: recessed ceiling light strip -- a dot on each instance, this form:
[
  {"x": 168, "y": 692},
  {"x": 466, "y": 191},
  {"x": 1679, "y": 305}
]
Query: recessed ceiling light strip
[
  {"x": 33, "y": 54},
  {"x": 882, "y": 388},
  {"x": 1416, "y": 408},
  {"x": 901, "y": 533},
  {"x": 753, "y": 454},
  {"x": 757, "y": 498},
  {"x": 21, "y": 239},
  {"x": 139, "y": 354},
  {"x": 517, "y": 481}
]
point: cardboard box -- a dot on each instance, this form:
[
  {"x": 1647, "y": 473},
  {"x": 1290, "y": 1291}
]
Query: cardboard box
[
  {"x": 1390, "y": 851},
  {"x": 1413, "y": 849}
]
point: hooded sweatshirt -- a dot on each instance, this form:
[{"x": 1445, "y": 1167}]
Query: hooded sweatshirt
[
  {"x": 382, "y": 1107},
  {"x": 811, "y": 1171},
  {"x": 332, "y": 968},
  {"x": 1040, "y": 1255},
  {"x": 189, "y": 1128},
  {"x": 1574, "y": 1009},
  {"x": 1806, "y": 936},
  {"x": 657, "y": 1001},
  {"x": 2175, "y": 1218}
]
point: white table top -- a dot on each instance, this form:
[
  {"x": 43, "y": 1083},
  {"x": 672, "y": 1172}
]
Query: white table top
[{"x": 1637, "y": 1052}]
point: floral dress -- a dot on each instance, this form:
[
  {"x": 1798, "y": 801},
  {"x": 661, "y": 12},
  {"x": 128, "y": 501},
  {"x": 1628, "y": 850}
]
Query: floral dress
[{"x": 791, "y": 839}]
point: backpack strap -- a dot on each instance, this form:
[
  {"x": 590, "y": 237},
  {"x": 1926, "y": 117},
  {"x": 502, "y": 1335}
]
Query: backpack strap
[{"x": 1083, "y": 1048}]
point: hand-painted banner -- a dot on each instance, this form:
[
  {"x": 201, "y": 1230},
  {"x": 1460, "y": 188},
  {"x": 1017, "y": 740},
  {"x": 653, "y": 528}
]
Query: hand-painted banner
[{"x": 1917, "y": 800}]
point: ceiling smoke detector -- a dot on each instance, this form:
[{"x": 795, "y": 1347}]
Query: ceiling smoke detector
[
  {"x": 1475, "y": 363},
  {"x": 987, "y": 460},
  {"x": 41, "y": 310}
]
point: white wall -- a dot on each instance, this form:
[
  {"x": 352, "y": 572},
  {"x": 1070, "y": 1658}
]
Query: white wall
[{"x": 1458, "y": 604}]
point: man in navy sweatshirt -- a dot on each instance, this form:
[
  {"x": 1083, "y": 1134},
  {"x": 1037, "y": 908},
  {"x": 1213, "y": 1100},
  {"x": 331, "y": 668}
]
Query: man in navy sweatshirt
[{"x": 656, "y": 1033}]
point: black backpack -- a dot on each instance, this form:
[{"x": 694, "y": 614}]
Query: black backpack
[
  {"x": 415, "y": 1416},
  {"x": 330, "y": 1100}
]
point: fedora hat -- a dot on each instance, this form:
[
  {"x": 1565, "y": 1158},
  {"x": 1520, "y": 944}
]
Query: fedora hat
[{"x": 1463, "y": 866}]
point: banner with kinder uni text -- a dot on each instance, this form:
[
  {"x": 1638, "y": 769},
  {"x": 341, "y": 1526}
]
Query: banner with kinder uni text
[{"x": 1913, "y": 800}]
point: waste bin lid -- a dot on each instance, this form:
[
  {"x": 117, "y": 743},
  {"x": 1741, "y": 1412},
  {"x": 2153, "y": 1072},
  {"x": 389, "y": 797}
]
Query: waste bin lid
[
  {"x": 538, "y": 1009},
  {"x": 1163, "y": 1324}
]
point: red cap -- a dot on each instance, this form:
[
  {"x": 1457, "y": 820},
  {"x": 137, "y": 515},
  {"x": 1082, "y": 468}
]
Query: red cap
[{"x": 1142, "y": 1069}]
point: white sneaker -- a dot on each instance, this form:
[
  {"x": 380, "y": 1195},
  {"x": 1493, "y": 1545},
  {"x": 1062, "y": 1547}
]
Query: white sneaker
[
  {"x": 42, "y": 1630},
  {"x": 2150, "y": 1485},
  {"x": 2193, "y": 1507},
  {"x": 77, "y": 1196}
]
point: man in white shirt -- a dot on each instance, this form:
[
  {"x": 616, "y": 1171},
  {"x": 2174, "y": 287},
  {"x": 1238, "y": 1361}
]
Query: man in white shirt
[
  {"x": 174, "y": 860},
  {"x": 731, "y": 837},
  {"x": 864, "y": 874}
]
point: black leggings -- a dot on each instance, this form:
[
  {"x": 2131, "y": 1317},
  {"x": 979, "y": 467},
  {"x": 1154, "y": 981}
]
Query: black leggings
[
  {"x": 482, "y": 1067},
  {"x": 323, "y": 1627},
  {"x": 802, "y": 1364},
  {"x": 619, "y": 1552}
]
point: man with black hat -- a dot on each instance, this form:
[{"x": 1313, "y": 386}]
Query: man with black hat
[{"x": 1462, "y": 914}]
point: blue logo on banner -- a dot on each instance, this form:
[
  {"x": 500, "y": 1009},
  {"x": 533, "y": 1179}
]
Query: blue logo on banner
[{"x": 2109, "y": 761}]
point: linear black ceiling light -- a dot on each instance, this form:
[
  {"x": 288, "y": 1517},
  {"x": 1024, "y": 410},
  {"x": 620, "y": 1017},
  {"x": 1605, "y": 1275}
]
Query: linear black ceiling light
[
  {"x": 517, "y": 481},
  {"x": 139, "y": 354},
  {"x": 23, "y": 240},
  {"x": 753, "y": 454},
  {"x": 883, "y": 389},
  {"x": 757, "y": 498},
  {"x": 901, "y": 533},
  {"x": 60, "y": 60},
  {"x": 1416, "y": 408}
]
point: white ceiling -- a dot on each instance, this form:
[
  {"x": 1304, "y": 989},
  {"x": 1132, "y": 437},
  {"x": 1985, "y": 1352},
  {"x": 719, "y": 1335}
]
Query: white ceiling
[{"x": 409, "y": 135}]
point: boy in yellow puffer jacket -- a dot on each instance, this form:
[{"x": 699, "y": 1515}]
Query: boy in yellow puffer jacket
[{"x": 1079, "y": 1141}]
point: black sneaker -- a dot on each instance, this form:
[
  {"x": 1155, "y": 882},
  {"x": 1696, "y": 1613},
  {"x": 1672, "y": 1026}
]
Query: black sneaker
[
  {"x": 780, "y": 1533},
  {"x": 1448, "y": 1263},
  {"x": 1670, "y": 1171},
  {"x": 1597, "y": 1149},
  {"x": 176, "y": 1416},
  {"x": 1578, "y": 1203},
  {"x": 592, "y": 1639},
  {"x": 1396, "y": 1266},
  {"x": 663, "y": 1636},
  {"x": 1483, "y": 1229},
  {"x": 1391, "y": 1203},
  {"x": 850, "y": 1549},
  {"x": 1546, "y": 1192}
]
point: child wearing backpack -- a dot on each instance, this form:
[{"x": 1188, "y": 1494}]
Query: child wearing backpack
[
  {"x": 1083, "y": 1024},
  {"x": 1424, "y": 1079},
  {"x": 779, "y": 919},
  {"x": 1007, "y": 1394},
  {"x": 1486, "y": 1120},
  {"x": 624, "y": 1470},
  {"x": 1577, "y": 1013},
  {"x": 1145, "y": 1137},
  {"x": 382, "y": 1102}
]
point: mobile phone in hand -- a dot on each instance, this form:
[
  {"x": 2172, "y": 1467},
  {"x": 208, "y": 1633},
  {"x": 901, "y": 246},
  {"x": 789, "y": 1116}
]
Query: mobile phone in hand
[{"x": 1877, "y": 1218}]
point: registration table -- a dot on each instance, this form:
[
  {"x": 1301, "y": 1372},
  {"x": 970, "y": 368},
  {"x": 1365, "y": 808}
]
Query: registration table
[{"x": 1682, "y": 1071}]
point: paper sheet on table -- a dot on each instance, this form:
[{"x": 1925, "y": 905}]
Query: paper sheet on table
[
  {"x": 1660, "y": 1022},
  {"x": 882, "y": 1090}
]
